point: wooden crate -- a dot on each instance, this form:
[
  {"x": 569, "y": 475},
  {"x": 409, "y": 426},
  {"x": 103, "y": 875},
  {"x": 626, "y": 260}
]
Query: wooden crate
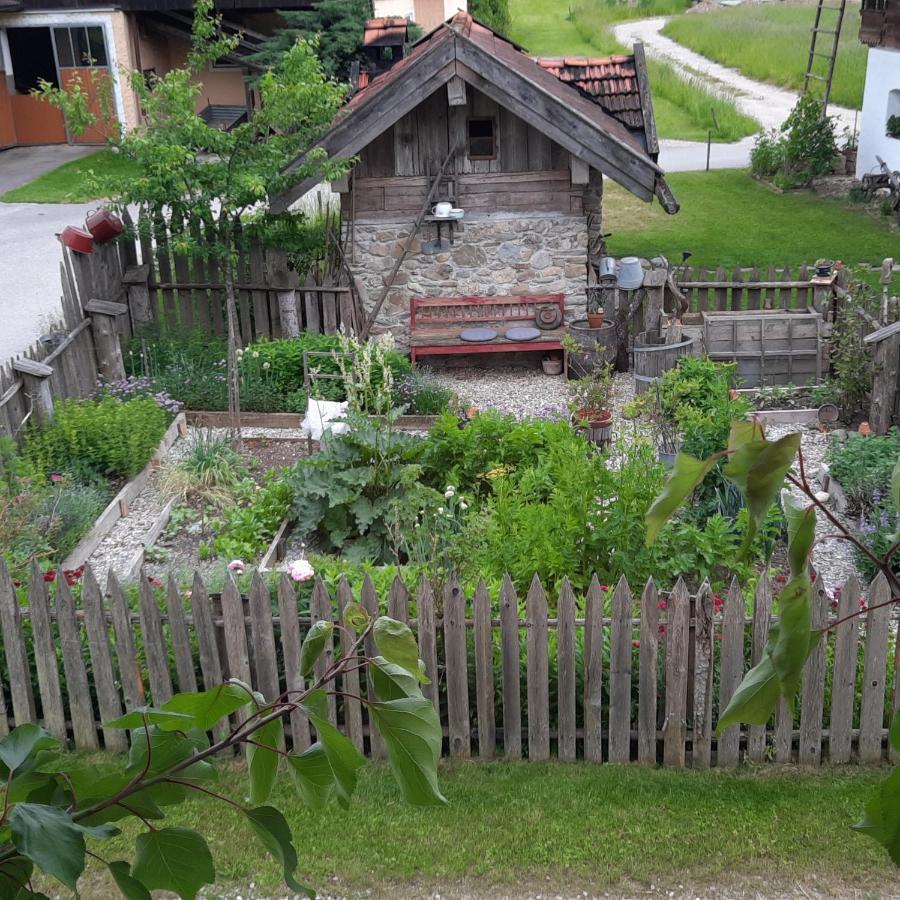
[{"x": 769, "y": 346}]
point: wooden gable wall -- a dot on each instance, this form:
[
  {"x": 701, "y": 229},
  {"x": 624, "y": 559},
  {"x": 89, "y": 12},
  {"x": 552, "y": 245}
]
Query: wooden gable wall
[{"x": 530, "y": 171}]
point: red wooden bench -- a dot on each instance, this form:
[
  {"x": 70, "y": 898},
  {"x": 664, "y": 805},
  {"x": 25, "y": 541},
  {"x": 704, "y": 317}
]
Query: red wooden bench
[{"x": 436, "y": 322}]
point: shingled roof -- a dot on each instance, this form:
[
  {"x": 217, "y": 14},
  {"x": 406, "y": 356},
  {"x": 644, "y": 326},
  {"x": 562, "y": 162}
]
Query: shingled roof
[
  {"x": 612, "y": 82},
  {"x": 547, "y": 97}
]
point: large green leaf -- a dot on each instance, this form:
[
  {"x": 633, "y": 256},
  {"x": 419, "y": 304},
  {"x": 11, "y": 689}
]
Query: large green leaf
[
  {"x": 22, "y": 742},
  {"x": 392, "y": 682},
  {"x": 206, "y": 708},
  {"x": 758, "y": 468},
  {"x": 142, "y": 715},
  {"x": 273, "y": 830},
  {"x": 801, "y": 528},
  {"x": 343, "y": 757},
  {"x": 754, "y": 700},
  {"x": 312, "y": 775},
  {"x": 130, "y": 887},
  {"x": 50, "y": 839},
  {"x": 412, "y": 731},
  {"x": 790, "y": 647},
  {"x": 14, "y": 876},
  {"x": 173, "y": 859},
  {"x": 262, "y": 760},
  {"x": 882, "y": 818},
  {"x": 313, "y": 645},
  {"x": 686, "y": 474},
  {"x": 166, "y": 749},
  {"x": 355, "y": 616},
  {"x": 396, "y": 643}
]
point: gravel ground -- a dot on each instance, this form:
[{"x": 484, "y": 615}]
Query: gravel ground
[
  {"x": 520, "y": 391},
  {"x": 832, "y": 558}
]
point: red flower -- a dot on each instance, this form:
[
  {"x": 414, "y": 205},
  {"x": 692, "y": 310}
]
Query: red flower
[
  {"x": 154, "y": 581},
  {"x": 781, "y": 579},
  {"x": 661, "y": 604},
  {"x": 50, "y": 575},
  {"x": 71, "y": 581},
  {"x": 718, "y": 602},
  {"x": 56, "y": 477},
  {"x": 604, "y": 587},
  {"x": 835, "y": 602},
  {"x": 635, "y": 643},
  {"x": 662, "y": 629}
]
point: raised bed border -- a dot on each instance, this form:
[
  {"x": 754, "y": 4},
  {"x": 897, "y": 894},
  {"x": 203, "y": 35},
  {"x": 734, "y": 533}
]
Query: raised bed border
[
  {"x": 118, "y": 506},
  {"x": 219, "y": 419}
]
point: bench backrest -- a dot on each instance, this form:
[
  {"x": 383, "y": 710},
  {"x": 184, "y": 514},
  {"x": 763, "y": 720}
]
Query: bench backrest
[{"x": 462, "y": 310}]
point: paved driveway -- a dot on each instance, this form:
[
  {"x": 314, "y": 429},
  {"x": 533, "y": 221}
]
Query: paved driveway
[{"x": 29, "y": 250}]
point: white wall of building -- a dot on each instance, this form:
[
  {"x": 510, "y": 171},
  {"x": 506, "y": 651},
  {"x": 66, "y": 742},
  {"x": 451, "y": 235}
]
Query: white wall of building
[
  {"x": 880, "y": 100},
  {"x": 418, "y": 10}
]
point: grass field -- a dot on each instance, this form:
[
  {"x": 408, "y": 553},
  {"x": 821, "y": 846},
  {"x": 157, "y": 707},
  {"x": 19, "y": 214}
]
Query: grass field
[
  {"x": 682, "y": 107},
  {"x": 771, "y": 43},
  {"x": 72, "y": 182},
  {"x": 566, "y": 826},
  {"x": 729, "y": 219}
]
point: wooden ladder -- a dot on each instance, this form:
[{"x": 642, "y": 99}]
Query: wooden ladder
[{"x": 830, "y": 56}]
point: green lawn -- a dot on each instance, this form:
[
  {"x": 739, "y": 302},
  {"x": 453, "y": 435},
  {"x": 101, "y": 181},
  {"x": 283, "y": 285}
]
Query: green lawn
[
  {"x": 78, "y": 181},
  {"x": 729, "y": 219},
  {"x": 771, "y": 43},
  {"x": 580, "y": 826},
  {"x": 684, "y": 108}
]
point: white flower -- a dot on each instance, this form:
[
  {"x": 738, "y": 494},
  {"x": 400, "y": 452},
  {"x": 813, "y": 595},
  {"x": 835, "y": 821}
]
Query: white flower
[
  {"x": 301, "y": 570},
  {"x": 236, "y": 565},
  {"x": 449, "y": 492},
  {"x": 239, "y": 352},
  {"x": 463, "y": 505},
  {"x": 267, "y": 365},
  {"x": 256, "y": 354},
  {"x": 440, "y": 510}
]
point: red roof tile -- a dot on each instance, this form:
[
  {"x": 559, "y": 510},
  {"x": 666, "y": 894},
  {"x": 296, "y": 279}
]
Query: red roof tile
[
  {"x": 609, "y": 81},
  {"x": 385, "y": 32}
]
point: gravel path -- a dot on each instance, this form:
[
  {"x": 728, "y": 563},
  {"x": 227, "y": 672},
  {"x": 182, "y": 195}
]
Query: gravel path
[
  {"x": 833, "y": 559},
  {"x": 766, "y": 103}
]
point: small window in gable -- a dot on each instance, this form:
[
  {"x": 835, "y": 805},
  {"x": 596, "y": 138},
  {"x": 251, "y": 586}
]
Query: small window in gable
[{"x": 482, "y": 139}]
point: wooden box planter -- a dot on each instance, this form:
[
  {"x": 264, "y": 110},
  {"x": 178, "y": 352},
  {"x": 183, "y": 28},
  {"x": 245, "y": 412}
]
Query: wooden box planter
[{"x": 769, "y": 346}]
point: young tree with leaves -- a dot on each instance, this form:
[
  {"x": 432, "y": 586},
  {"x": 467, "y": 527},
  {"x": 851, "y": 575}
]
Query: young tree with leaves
[
  {"x": 203, "y": 180},
  {"x": 759, "y": 469},
  {"x": 53, "y": 802}
]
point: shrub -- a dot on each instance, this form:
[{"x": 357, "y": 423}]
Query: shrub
[
  {"x": 423, "y": 396},
  {"x": 107, "y": 436},
  {"x": 210, "y": 472},
  {"x": 879, "y": 530},
  {"x": 863, "y": 466},
  {"x": 803, "y": 150}
]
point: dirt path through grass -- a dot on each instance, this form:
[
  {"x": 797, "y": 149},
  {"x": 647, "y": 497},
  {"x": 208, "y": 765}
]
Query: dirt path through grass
[{"x": 766, "y": 103}]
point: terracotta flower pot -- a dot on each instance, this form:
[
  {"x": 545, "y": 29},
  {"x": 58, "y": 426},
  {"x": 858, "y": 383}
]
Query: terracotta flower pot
[
  {"x": 595, "y": 418},
  {"x": 595, "y": 320}
]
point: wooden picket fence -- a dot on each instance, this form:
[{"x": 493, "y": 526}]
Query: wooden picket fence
[
  {"x": 555, "y": 673},
  {"x": 175, "y": 290},
  {"x": 749, "y": 289}
]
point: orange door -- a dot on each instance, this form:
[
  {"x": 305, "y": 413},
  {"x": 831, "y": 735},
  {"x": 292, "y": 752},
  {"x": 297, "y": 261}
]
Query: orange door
[{"x": 97, "y": 85}]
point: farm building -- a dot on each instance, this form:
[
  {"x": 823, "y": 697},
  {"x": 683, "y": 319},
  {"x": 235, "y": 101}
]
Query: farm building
[
  {"x": 519, "y": 145},
  {"x": 879, "y": 132},
  {"x": 59, "y": 40}
]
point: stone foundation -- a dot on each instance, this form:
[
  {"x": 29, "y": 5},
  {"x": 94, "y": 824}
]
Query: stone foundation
[{"x": 490, "y": 256}]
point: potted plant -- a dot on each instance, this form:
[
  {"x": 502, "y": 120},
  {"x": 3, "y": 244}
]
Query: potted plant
[
  {"x": 824, "y": 267},
  {"x": 893, "y": 126},
  {"x": 595, "y": 311},
  {"x": 589, "y": 403}
]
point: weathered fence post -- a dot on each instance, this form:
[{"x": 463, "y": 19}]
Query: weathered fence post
[
  {"x": 886, "y": 389},
  {"x": 137, "y": 286},
  {"x": 280, "y": 277},
  {"x": 106, "y": 337},
  {"x": 36, "y": 379}
]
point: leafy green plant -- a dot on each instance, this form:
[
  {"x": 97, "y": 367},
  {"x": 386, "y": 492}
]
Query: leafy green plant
[
  {"x": 892, "y": 126},
  {"x": 248, "y": 528},
  {"x": 593, "y": 392},
  {"x": 863, "y": 467},
  {"x": 54, "y": 802},
  {"x": 803, "y": 149},
  {"x": 109, "y": 436},
  {"x": 345, "y": 494},
  {"x": 421, "y": 395}
]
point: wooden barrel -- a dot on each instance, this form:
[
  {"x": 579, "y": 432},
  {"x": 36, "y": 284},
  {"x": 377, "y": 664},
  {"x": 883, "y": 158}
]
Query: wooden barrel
[
  {"x": 599, "y": 346},
  {"x": 651, "y": 360}
]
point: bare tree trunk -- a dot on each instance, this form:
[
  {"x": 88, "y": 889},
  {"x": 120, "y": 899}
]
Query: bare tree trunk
[
  {"x": 234, "y": 379},
  {"x": 280, "y": 277}
]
